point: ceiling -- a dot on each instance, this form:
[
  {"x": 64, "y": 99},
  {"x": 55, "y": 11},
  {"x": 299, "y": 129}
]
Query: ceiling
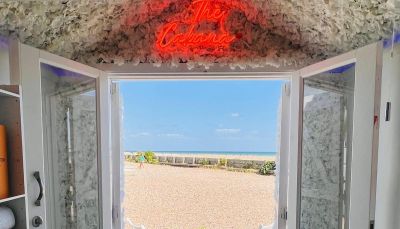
[{"x": 276, "y": 33}]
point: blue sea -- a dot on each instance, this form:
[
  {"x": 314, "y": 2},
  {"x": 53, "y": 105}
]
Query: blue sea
[{"x": 268, "y": 154}]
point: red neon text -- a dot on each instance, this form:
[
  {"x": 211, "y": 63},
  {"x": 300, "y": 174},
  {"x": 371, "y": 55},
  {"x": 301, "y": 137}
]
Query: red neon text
[{"x": 169, "y": 39}]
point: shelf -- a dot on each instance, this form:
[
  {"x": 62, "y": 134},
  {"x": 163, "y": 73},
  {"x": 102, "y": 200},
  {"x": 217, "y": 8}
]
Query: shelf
[
  {"x": 11, "y": 198},
  {"x": 5, "y": 93},
  {"x": 10, "y": 117},
  {"x": 17, "y": 205}
]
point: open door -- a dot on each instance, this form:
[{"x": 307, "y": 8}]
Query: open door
[
  {"x": 117, "y": 154},
  {"x": 388, "y": 182},
  {"x": 66, "y": 140},
  {"x": 332, "y": 145},
  {"x": 283, "y": 157}
]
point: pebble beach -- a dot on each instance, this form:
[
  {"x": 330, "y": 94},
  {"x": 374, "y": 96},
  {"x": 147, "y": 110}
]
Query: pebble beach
[{"x": 161, "y": 196}]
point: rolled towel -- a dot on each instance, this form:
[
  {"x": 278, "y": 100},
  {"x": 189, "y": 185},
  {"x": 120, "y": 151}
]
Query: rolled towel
[
  {"x": 7, "y": 219},
  {"x": 4, "y": 190}
]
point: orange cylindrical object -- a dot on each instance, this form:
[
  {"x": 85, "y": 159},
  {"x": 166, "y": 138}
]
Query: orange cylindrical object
[{"x": 4, "y": 190}]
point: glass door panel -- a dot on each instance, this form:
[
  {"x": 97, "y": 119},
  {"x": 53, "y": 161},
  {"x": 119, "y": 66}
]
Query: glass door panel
[
  {"x": 70, "y": 142},
  {"x": 326, "y": 148}
]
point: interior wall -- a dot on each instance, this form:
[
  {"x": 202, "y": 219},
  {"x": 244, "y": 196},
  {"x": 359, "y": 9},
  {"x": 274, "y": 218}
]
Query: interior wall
[
  {"x": 388, "y": 183},
  {"x": 4, "y": 62},
  {"x": 83, "y": 175},
  {"x": 86, "y": 173},
  {"x": 320, "y": 160}
]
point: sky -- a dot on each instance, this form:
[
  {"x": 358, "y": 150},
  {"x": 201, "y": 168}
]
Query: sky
[{"x": 208, "y": 115}]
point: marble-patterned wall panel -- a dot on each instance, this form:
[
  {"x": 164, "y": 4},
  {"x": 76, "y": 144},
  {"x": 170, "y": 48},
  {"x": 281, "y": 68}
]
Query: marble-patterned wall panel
[
  {"x": 85, "y": 156},
  {"x": 318, "y": 213},
  {"x": 320, "y": 181},
  {"x": 62, "y": 163},
  {"x": 75, "y": 179}
]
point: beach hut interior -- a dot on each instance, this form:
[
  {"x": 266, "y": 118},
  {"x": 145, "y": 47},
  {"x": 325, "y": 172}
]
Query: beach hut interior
[{"x": 61, "y": 153}]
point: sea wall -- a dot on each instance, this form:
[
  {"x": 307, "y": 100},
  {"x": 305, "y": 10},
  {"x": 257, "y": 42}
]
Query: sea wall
[{"x": 193, "y": 161}]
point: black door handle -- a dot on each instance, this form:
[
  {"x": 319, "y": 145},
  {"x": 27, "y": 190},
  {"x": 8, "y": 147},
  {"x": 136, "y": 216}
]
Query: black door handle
[{"x": 37, "y": 177}]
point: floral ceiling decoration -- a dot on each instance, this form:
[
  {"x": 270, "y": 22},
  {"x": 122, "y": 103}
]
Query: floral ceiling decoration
[
  {"x": 198, "y": 29},
  {"x": 242, "y": 33}
]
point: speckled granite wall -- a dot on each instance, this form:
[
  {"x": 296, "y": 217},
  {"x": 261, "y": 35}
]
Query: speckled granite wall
[
  {"x": 85, "y": 155},
  {"x": 321, "y": 156},
  {"x": 326, "y": 148},
  {"x": 77, "y": 208}
]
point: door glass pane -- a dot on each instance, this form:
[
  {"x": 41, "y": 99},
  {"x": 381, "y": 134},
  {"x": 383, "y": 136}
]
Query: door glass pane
[
  {"x": 70, "y": 140},
  {"x": 326, "y": 148}
]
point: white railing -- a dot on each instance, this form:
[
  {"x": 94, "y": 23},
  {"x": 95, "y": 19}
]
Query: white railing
[{"x": 266, "y": 227}]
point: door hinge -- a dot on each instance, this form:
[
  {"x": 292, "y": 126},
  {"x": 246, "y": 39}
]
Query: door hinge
[
  {"x": 115, "y": 214},
  {"x": 388, "y": 111},
  {"x": 283, "y": 214},
  {"x": 113, "y": 88},
  {"x": 287, "y": 89}
]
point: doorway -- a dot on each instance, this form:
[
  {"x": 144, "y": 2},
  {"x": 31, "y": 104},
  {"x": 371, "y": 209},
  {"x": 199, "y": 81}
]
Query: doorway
[
  {"x": 201, "y": 140},
  {"x": 366, "y": 75}
]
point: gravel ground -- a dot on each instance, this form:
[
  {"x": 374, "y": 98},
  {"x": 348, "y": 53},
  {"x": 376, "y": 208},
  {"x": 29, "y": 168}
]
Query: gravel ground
[{"x": 159, "y": 197}]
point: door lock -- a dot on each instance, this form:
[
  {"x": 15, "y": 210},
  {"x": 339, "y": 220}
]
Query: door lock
[{"x": 37, "y": 221}]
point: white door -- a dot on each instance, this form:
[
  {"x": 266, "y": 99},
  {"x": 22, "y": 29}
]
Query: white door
[
  {"x": 66, "y": 141},
  {"x": 117, "y": 154},
  {"x": 388, "y": 183},
  {"x": 332, "y": 138},
  {"x": 283, "y": 157}
]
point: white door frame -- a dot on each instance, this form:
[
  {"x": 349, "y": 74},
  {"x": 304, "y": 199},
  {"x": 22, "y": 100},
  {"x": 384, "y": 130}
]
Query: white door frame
[
  {"x": 29, "y": 76},
  {"x": 293, "y": 152},
  {"x": 117, "y": 155},
  {"x": 150, "y": 73},
  {"x": 284, "y": 138},
  {"x": 367, "y": 73}
]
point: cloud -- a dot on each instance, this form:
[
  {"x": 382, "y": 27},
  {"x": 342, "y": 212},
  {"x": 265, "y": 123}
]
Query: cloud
[
  {"x": 172, "y": 135},
  {"x": 254, "y": 132},
  {"x": 141, "y": 134},
  {"x": 235, "y": 115},
  {"x": 227, "y": 131}
]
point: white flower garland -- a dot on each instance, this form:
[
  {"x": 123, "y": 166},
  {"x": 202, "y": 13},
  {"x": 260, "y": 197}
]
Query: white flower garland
[{"x": 274, "y": 32}]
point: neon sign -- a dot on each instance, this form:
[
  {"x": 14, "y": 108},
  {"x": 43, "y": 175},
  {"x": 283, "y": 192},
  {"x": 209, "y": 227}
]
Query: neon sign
[{"x": 190, "y": 32}]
